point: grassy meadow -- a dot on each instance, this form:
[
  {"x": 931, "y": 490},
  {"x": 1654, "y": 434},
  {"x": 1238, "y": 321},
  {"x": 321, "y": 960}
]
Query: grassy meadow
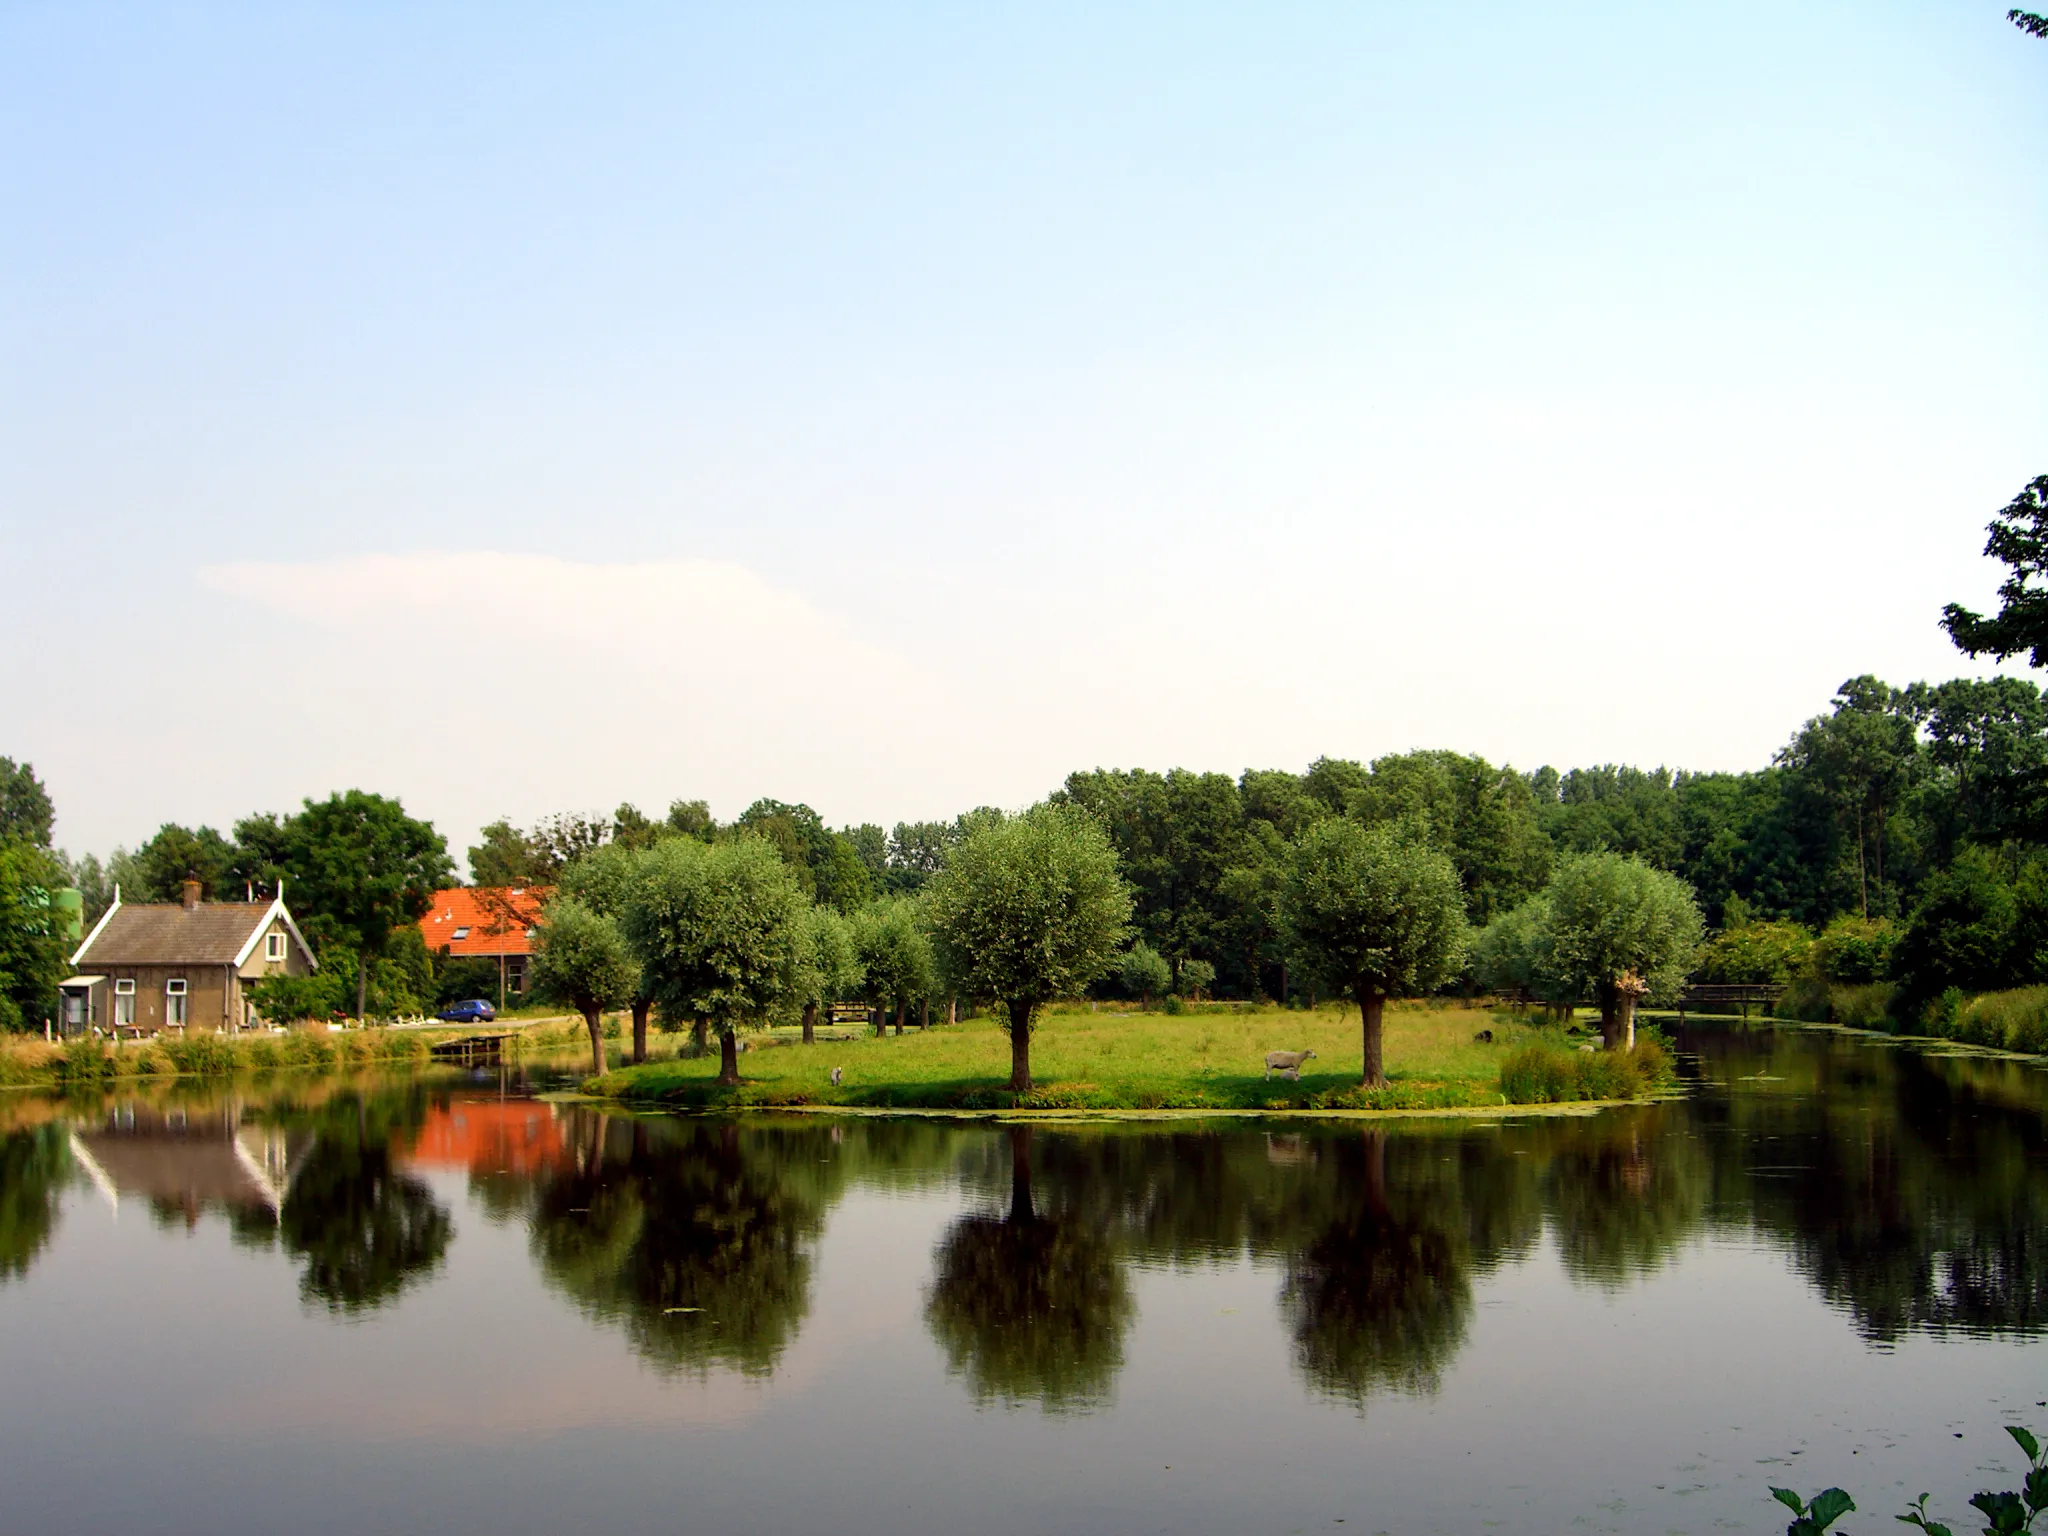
[{"x": 1111, "y": 1057}]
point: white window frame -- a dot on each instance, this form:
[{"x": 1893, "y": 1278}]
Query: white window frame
[
  {"x": 124, "y": 1003},
  {"x": 273, "y": 946},
  {"x": 177, "y": 993}
]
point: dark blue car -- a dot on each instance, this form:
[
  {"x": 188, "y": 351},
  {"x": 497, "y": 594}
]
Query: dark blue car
[{"x": 475, "y": 1011}]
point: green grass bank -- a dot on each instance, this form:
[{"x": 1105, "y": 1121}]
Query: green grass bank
[{"x": 1113, "y": 1057}]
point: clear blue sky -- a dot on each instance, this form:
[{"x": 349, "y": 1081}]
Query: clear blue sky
[{"x": 896, "y": 406}]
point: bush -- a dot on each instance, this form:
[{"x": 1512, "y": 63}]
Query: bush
[
  {"x": 1810, "y": 1000},
  {"x": 1547, "y": 1071},
  {"x": 1816, "y": 1000},
  {"x": 1756, "y": 954},
  {"x": 1867, "y": 1006},
  {"x": 1855, "y": 950},
  {"x": 1961, "y": 933}
]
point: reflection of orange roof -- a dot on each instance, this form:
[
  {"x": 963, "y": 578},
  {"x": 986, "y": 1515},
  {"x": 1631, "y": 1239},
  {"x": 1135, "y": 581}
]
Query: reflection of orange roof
[
  {"x": 489, "y": 920},
  {"x": 489, "y": 1136}
]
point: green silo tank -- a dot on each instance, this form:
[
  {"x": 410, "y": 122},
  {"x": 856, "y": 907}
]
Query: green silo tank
[{"x": 70, "y": 905}]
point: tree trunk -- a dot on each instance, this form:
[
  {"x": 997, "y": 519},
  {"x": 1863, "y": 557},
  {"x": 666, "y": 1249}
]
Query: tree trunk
[
  {"x": 1627, "y": 1007},
  {"x": 901, "y": 1010},
  {"x": 728, "y": 1059},
  {"x": 593, "y": 1020},
  {"x": 924, "y": 1015},
  {"x": 1610, "y": 1016},
  {"x": 810, "y": 1023},
  {"x": 1020, "y": 1047},
  {"x": 362, "y": 984},
  {"x": 697, "y": 1039},
  {"x": 1371, "y": 1008},
  {"x": 641, "y": 1006},
  {"x": 501, "y": 983},
  {"x": 952, "y": 1010},
  {"x": 879, "y": 1017}
]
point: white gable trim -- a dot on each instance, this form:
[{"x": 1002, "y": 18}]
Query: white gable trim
[
  {"x": 276, "y": 910},
  {"x": 106, "y": 917}
]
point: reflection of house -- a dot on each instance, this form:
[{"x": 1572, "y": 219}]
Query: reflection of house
[
  {"x": 489, "y": 1136},
  {"x": 488, "y": 922},
  {"x": 145, "y": 968},
  {"x": 191, "y": 1162}
]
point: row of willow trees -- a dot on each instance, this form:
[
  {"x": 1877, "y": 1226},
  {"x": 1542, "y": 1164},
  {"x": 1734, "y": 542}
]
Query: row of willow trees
[{"x": 1907, "y": 1191}]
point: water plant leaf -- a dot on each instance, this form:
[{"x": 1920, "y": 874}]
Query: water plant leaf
[
  {"x": 1828, "y": 1507},
  {"x": 2004, "y": 1510},
  {"x": 1790, "y": 1500},
  {"x": 2026, "y": 1440},
  {"x": 1916, "y": 1514},
  {"x": 2037, "y": 1489}
]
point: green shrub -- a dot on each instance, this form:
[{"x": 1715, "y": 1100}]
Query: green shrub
[
  {"x": 1865, "y": 1006},
  {"x": 1547, "y": 1071},
  {"x": 1809, "y": 999},
  {"x": 1860, "y": 1005},
  {"x": 1855, "y": 950},
  {"x": 1174, "y": 1004},
  {"x": 1755, "y": 954}
]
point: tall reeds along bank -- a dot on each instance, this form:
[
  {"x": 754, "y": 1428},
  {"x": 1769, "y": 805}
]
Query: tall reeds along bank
[
  {"x": 2004, "y": 1021},
  {"x": 94, "y": 1063},
  {"x": 1552, "y": 1071}
]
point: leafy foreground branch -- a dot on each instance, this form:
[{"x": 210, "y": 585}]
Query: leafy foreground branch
[{"x": 2005, "y": 1513}]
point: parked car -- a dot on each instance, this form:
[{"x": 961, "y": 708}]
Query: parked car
[{"x": 475, "y": 1011}]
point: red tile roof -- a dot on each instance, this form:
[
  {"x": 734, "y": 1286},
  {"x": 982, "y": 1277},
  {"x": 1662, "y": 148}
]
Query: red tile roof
[{"x": 493, "y": 920}]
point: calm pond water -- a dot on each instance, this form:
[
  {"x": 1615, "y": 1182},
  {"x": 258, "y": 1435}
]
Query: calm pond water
[{"x": 443, "y": 1305}]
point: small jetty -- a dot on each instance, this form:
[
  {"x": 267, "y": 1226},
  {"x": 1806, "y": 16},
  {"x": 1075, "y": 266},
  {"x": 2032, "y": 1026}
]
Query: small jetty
[{"x": 471, "y": 1050}]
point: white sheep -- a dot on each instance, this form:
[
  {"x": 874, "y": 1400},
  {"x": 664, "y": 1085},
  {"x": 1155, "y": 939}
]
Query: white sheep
[
  {"x": 1286, "y": 1062},
  {"x": 835, "y": 1076}
]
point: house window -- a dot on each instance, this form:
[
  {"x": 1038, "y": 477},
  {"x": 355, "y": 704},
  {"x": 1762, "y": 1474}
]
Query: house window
[
  {"x": 461, "y": 934},
  {"x": 174, "y": 1003},
  {"x": 124, "y": 1004},
  {"x": 273, "y": 946}
]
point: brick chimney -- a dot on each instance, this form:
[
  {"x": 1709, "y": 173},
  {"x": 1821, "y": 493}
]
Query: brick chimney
[{"x": 191, "y": 895}]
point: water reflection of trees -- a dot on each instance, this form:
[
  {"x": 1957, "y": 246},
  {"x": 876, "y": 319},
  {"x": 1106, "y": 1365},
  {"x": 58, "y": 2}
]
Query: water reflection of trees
[
  {"x": 696, "y": 1238},
  {"x": 1378, "y": 1286},
  {"x": 34, "y": 1165},
  {"x": 1032, "y": 1304},
  {"x": 1911, "y": 1189},
  {"x": 365, "y": 1228}
]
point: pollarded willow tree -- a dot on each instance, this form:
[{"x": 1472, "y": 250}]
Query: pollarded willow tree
[
  {"x": 719, "y": 930},
  {"x": 895, "y": 954},
  {"x": 1375, "y": 915},
  {"x": 1028, "y": 910},
  {"x": 604, "y": 881},
  {"x": 581, "y": 958},
  {"x": 1619, "y": 931},
  {"x": 831, "y": 967}
]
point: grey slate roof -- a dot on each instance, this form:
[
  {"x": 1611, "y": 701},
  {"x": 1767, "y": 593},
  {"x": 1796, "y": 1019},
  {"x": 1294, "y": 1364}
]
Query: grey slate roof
[{"x": 211, "y": 934}]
